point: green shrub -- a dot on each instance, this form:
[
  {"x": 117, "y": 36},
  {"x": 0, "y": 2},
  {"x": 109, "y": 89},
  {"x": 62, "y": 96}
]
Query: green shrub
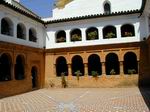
[{"x": 63, "y": 81}]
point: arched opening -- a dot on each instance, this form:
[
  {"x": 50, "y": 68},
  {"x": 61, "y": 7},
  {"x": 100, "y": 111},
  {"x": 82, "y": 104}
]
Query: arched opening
[
  {"x": 19, "y": 68},
  {"x": 61, "y": 66},
  {"x": 77, "y": 66},
  {"x": 127, "y": 30},
  {"x": 130, "y": 63},
  {"x": 21, "y": 31},
  {"x": 32, "y": 35},
  {"x": 94, "y": 65},
  {"x": 112, "y": 64},
  {"x": 76, "y": 35},
  {"x": 5, "y": 67},
  {"x": 107, "y": 8},
  {"x": 109, "y": 32},
  {"x": 6, "y": 27},
  {"x": 61, "y": 37},
  {"x": 34, "y": 74},
  {"x": 92, "y": 33}
]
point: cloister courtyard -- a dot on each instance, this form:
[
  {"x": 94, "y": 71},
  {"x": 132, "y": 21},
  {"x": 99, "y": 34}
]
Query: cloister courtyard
[{"x": 131, "y": 99}]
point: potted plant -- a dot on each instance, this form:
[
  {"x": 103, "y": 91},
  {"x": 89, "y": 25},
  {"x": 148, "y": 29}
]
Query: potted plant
[
  {"x": 95, "y": 74},
  {"x": 92, "y": 35},
  {"x": 110, "y": 35},
  {"x": 63, "y": 81},
  {"x": 75, "y": 37},
  {"x": 78, "y": 73}
]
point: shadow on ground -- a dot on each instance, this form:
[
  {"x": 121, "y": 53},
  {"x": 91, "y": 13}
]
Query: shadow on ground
[{"x": 145, "y": 92}]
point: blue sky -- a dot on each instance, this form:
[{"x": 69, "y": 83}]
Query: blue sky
[{"x": 43, "y": 8}]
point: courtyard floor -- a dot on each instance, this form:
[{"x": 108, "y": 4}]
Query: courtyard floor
[{"x": 79, "y": 100}]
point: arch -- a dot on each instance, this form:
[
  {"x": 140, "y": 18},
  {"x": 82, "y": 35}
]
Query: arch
[
  {"x": 109, "y": 32},
  {"x": 61, "y": 36},
  {"x": 5, "y": 67},
  {"x": 7, "y": 26},
  {"x": 21, "y": 31},
  {"x": 130, "y": 63},
  {"x": 34, "y": 74},
  {"x": 76, "y": 35},
  {"x": 94, "y": 64},
  {"x": 92, "y": 33},
  {"x": 61, "y": 66},
  {"x": 127, "y": 30},
  {"x": 77, "y": 65},
  {"x": 112, "y": 64},
  {"x": 32, "y": 35},
  {"x": 20, "y": 68},
  {"x": 107, "y": 7}
]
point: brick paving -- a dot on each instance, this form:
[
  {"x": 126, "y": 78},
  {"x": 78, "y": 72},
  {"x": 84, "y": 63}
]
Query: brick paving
[{"x": 79, "y": 100}]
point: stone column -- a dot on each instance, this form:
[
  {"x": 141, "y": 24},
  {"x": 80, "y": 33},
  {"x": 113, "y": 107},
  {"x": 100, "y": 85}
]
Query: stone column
[
  {"x": 15, "y": 31},
  {"x": 121, "y": 68},
  {"x": 83, "y": 34},
  {"x": 69, "y": 71},
  {"x": 138, "y": 69},
  {"x": 55, "y": 72},
  {"x": 103, "y": 69},
  {"x": 13, "y": 71},
  {"x": 27, "y": 34},
  {"x": 67, "y": 36},
  {"x": 85, "y": 69}
]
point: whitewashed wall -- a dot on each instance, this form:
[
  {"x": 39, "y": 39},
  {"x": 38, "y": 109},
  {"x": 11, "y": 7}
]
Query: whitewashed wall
[
  {"x": 88, "y": 7},
  {"x": 29, "y": 23},
  {"x": 99, "y": 23}
]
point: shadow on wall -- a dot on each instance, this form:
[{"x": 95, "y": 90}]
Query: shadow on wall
[
  {"x": 144, "y": 73},
  {"x": 144, "y": 66}
]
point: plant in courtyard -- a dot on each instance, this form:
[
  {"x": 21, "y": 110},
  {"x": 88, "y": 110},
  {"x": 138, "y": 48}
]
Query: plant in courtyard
[
  {"x": 95, "y": 74},
  {"x": 75, "y": 37},
  {"x": 60, "y": 39},
  {"x": 127, "y": 34},
  {"x": 112, "y": 72},
  {"x": 78, "y": 73},
  {"x": 63, "y": 81},
  {"x": 110, "y": 35},
  {"x": 92, "y": 35},
  {"x": 131, "y": 71}
]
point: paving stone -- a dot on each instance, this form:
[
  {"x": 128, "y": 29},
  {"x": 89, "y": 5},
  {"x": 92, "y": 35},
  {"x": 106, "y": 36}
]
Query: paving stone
[{"x": 79, "y": 100}]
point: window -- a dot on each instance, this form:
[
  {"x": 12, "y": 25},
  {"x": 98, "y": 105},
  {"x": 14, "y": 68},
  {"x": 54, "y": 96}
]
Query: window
[
  {"x": 6, "y": 27},
  {"x": 107, "y": 8},
  {"x": 109, "y": 32},
  {"x": 92, "y": 33},
  {"x": 127, "y": 30},
  {"x": 61, "y": 36},
  {"x": 21, "y": 31},
  {"x": 20, "y": 68},
  {"x": 76, "y": 35},
  {"x": 32, "y": 35}
]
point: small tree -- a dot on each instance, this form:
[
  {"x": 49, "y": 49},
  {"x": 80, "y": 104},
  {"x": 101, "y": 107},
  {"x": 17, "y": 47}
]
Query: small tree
[
  {"x": 75, "y": 37},
  {"x": 131, "y": 71},
  {"x": 78, "y": 73},
  {"x": 63, "y": 81},
  {"x": 110, "y": 35},
  {"x": 95, "y": 74},
  {"x": 112, "y": 72},
  {"x": 92, "y": 35}
]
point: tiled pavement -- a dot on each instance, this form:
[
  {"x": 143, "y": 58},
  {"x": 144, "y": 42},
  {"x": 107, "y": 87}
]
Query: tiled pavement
[{"x": 79, "y": 100}]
